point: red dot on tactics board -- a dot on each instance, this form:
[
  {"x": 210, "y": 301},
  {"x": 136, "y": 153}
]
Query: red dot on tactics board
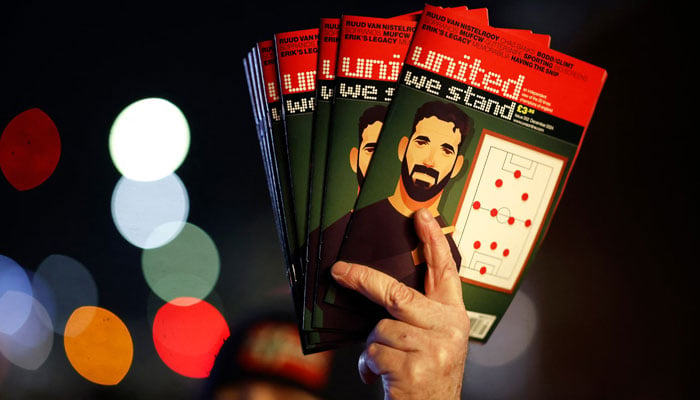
[
  {"x": 511, "y": 220},
  {"x": 528, "y": 222},
  {"x": 494, "y": 212},
  {"x": 29, "y": 149},
  {"x": 525, "y": 196},
  {"x": 476, "y": 205},
  {"x": 477, "y": 244},
  {"x": 482, "y": 270},
  {"x": 506, "y": 252},
  {"x": 499, "y": 183},
  {"x": 494, "y": 245},
  {"x": 517, "y": 174}
]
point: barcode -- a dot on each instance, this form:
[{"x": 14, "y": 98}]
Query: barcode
[{"x": 480, "y": 324}]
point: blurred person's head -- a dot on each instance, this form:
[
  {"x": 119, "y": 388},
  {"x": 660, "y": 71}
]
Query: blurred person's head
[{"x": 263, "y": 361}]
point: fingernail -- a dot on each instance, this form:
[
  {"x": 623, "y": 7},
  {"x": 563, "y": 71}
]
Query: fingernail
[{"x": 340, "y": 269}]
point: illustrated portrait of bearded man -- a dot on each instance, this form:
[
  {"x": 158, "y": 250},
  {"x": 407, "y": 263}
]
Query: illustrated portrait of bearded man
[{"x": 382, "y": 234}]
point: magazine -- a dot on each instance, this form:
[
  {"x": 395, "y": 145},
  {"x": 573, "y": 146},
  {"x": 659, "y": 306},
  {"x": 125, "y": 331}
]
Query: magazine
[
  {"x": 483, "y": 131},
  {"x": 373, "y": 57},
  {"x": 356, "y": 45},
  {"x": 261, "y": 74},
  {"x": 328, "y": 46},
  {"x": 296, "y": 53},
  {"x": 276, "y": 154},
  {"x": 370, "y": 55}
]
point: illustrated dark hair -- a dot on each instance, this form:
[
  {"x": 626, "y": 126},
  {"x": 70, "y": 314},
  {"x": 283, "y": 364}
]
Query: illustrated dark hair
[
  {"x": 370, "y": 116},
  {"x": 446, "y": 112}
]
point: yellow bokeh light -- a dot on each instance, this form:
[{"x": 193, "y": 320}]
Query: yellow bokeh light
[{"x": 98, "y": 345}]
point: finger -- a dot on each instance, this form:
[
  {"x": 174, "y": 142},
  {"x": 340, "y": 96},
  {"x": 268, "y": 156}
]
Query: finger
[
  {"x": 397, "y": 334},
  {"x": 442, "y": 280},
  {"x": 401, "y": 301},
  {"x": 378, "y": 359}
]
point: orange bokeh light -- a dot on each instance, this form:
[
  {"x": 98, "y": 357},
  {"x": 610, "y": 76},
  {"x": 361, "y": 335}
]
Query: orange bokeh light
[{"x": 98, "y": 345}]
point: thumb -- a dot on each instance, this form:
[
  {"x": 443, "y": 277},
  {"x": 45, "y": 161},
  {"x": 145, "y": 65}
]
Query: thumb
[{"x": 442, "y": 280}]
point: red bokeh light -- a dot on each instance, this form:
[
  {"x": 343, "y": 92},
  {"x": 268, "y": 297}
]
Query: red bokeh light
[
  {"x": 188, "y": 335},
  {"x": 29, "y": 149}
]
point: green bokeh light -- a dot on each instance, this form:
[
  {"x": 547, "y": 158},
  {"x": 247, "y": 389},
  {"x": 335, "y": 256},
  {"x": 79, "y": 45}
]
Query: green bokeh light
[{"x": 188, "y": 266}]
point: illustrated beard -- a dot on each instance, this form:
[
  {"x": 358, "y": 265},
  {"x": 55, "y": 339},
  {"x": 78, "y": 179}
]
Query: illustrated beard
[{"x": 419, "y": 190}]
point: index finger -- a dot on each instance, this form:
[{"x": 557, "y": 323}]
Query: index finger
[
  {"x": 402, "y": 302},
  {"x": 442, "y": 279}
]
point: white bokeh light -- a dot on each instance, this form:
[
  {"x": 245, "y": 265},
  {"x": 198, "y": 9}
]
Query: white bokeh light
[
  {"x": 504, "y": 366},
  {"x": 512, "y": 336},
  {"x": 150, "y": 214},
  {"x": 149, "y": 139},
  {"x": 15, "y": 296},
  {"x": 31, "y": 344}
]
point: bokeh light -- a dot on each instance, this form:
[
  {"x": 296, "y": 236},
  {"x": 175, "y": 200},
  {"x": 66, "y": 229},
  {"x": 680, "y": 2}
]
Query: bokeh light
[
  {"x": 154, "y": 304},
  {"x": 44, "y": 293},
  {"x": 504, "y": 366},
  {"x": 149, "y": 139},
  {"x": 511, "y": 337},
  {"x": 508, "y": 381},
  {"x": 150, "y": 214},
  {"x": 15, "y": 296},
  {"x": 30, "y": 148},
  {"x": 31, "y": 344},
  {"x": 188, "y": 334},
  {"x": 188, "y": 266},
  {"x": 98, "y": 345},
  {"x": 63, "y": 284}
]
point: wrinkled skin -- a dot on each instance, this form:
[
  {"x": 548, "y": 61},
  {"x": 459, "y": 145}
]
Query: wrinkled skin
[{"x": 421, "y": 353}]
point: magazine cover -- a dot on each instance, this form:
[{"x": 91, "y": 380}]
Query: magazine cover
[
  {"x": 276, "y": 156},
  {"x": 480, "y": 14},
  {"x": 483, "y": 131},
  {"x": 253, "y": 73},
  {"x": 250, "y": 70},
  {"x": 370, "y": 55},
  {"x": 370, "y": 61},
  {"x": 263, "y": 103},
  {"x": 328, "y": 47},
  {"x": 296, "y": 53},
  {"x": 274, "y": 148}
]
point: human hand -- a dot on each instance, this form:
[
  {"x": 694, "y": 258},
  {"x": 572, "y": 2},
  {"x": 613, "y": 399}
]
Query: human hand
[{"x": 421, "y": 354}]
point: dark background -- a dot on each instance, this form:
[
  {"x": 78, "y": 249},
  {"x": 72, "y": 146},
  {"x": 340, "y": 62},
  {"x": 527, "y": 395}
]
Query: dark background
[{"x": 610, "y": 286}]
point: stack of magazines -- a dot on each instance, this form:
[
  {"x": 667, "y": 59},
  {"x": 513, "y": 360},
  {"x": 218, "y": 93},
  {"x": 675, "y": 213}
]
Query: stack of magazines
[{"x": 363, "y": 120}]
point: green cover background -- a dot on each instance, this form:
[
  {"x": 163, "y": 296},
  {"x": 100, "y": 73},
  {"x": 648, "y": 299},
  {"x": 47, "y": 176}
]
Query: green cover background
[
  {"x": 298, "y": 127},
  {"x": 318, "y": 161},
  {"x": 341, "y": 181}
]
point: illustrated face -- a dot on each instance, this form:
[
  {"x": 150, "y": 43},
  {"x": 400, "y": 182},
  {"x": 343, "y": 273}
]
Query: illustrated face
[
  {"x": 431, "y": 158},
  {"x": 367, "y": 146},
  {"x": 360, "y": 157}
]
